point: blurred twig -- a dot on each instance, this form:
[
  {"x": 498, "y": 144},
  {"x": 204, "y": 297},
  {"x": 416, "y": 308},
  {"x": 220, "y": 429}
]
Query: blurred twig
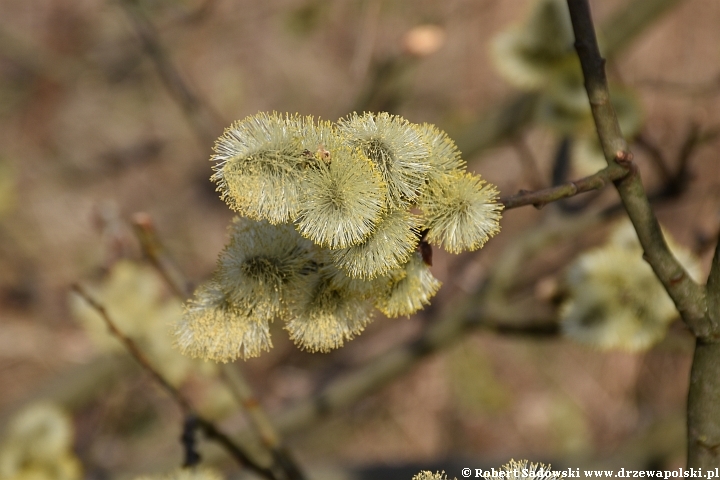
[
  {"x": 381, "y": 371},
  {"x": 623, "y": 26},
  {"x": 529, "y": 163},
  {"x": 201, "y": 118},
  {"x": 656, "y": 155},
  {"x": 506, "y": 120},
  {"x": 60, "y": 68},
  {"x": 675, "y": 180},
  {"x": 388, "y": 84},
  {"x": 210, "y": 430},
  {"x": 262, "y": 424},
  {"x": 74, "y": 387},
  {"x": 701, "y": 89},
  {"x": 362, "y": 56},
  {"x": 155, "y": 252}
]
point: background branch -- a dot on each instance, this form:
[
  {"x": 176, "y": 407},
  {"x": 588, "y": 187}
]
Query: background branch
[
  {"x": 210, "y": 430},
  {"x": 205, "y": 124},
  {"x": 509, "y": 118}
]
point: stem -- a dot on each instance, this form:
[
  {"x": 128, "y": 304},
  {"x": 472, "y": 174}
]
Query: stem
[
  {"x": 260, "y": 421},
  {"x": 699, "y": 311},
  {"x": 703, "y": 448},
  {"x": 540, "y": 198},
  {"x": 206, "y": 426},
  {"x": 156, "y": 253}
]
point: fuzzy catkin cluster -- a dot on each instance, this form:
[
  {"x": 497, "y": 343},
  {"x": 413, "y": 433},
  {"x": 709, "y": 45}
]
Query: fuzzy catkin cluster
[
  {"x": 331, "y": 216},
  {"x": 615, "y": 300},
  {"x": 37, "y": 444}
]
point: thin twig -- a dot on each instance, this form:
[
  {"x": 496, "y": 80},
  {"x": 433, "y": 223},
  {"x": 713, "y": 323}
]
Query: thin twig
[
  {"x": 656, "y": 155},
  {"x": 386, "y": 368},
  {"x": 261, "y": 422},
  {"x": 693, "y": 140},
  {"x": 210, "y": 430},
  {"x": 132, "y": 348},
  {"x": 529, "y": 163},
  {"x": 698, "y": 89},
  {"x": 155, "y": 251},
  {"x": 540, "y": 198}
]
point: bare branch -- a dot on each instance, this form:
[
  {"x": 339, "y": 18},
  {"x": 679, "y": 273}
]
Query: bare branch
[
  {"x": 540, "y": 198},
  {"x": 698, "y": 310},
  {"x": 688, "y": 296},
  {"x": 391, "y": 365},
  {"x": 529, "y": 163},
  {"x": 656, "y": 155},
  {"x": 132, "y": 348},
  {"x": 210, "y": 430}
]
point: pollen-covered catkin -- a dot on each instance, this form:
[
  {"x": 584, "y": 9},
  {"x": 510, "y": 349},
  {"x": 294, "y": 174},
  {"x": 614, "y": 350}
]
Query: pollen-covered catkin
[
  {"x": 331, "y": 219},
  {"x": 461, "y": 212}
]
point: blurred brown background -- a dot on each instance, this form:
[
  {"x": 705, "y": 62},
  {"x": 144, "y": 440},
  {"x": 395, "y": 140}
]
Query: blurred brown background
[{"x": 94, "y": 126}]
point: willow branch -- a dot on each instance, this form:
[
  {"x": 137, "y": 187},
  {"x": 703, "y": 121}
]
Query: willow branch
[
  {"x": 698, "y": 310},
  {"x": 688, "y": 296},
  {"x": 529, "y": 164},
  {"x": 132, "y": 348},
  {"x": 210, "y": 430},
  {"x": 713, "y": 287},
  {"x": 540, "y": 198}
]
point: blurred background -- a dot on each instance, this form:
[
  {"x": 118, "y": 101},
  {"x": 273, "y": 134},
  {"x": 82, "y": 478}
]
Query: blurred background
[{"x": 109, "y": 108}]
